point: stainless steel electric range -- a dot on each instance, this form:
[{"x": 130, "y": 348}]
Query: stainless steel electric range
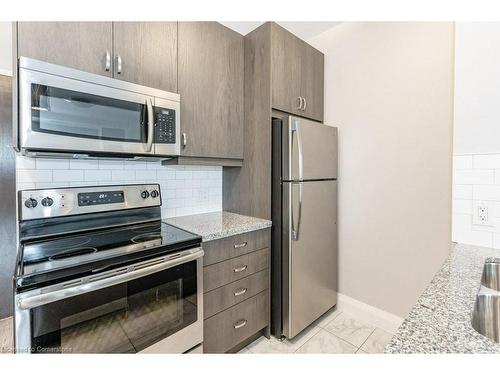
[{"x": 99, "y": 272}]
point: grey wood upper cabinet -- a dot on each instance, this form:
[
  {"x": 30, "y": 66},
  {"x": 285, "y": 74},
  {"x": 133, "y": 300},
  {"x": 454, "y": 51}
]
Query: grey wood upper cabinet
[
  {"x": 80, "y": 45},
  {"x": 146, "y": 53},
  {"x": 296, "y": 75},
  {"x": 211, "y": 87}
]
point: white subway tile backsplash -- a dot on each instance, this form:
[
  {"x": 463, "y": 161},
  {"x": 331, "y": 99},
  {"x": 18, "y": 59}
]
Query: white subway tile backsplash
[
  {"x": 473, "y": 176},
  {"x": 68, "y": 175},
  {"x": 24, "y": 162},
  {"x": 97, "y": 175},
  {"x": 83, "y": 164},
  {"x": 145, "y": 174},
  {"x": 52, "y": 164},
  {"x": 462, "y": 162},
  {"x": 476, "y": 182},
  {"x": 34, "y": 175},
  {"x": 185, "y": 189},
  {"x": 122, "y": 175},
  {"x": 111, "y": 164},
  {"x": 462, "y": 232},
  {"x": 462, "y": 191},
  {"x": 462, "y": 206},
  {"x": 165, "y": 174},
  {"x": 486, "y": 161},
  {"x": 486, "y": 192}
]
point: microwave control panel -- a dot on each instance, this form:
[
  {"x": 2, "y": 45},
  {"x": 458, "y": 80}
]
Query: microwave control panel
[{"x": 164, "y": 125}]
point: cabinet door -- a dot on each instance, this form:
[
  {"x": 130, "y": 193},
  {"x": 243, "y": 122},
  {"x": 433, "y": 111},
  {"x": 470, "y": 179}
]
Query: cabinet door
[
  {"x": 80, "y": 45},
  {"x": 312, "y": 77},
  {"x": 286, "y": 70},
  {"x": 211, "y": 89},
  {"x": 148, "y": 53}
]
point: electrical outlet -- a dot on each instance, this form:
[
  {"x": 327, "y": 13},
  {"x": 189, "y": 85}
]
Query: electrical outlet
[{"x": 482, "y": 214}]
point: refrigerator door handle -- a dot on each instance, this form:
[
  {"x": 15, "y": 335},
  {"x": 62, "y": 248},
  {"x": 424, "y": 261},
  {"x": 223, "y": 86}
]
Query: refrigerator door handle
[
  {"x": 296, "y": 129},
  {"x": 296, "y": 232}
]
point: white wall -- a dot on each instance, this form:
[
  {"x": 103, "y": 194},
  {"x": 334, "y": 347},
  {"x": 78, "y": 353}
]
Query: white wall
[
  {"x": 185, "y": 190},
  {"x": 476, "y": 162},
  {"x": 389, "y": 89},
  {"x": 477, "y": 88}
]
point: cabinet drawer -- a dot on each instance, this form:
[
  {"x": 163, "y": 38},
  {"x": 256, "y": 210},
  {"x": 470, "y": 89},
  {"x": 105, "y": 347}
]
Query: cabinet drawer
[
  {"x": 224, "y": 297},
  {"x": 226, "y": 272},
  {"x": 230, "y": 247},
  {"x": 227, "y": 329}
]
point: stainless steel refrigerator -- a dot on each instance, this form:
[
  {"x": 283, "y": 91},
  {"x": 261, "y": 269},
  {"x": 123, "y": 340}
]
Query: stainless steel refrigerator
[{"x": 304, "y": 214}]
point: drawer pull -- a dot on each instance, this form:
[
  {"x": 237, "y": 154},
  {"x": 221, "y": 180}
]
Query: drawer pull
[
  {"x": 240, "y": 269},
  {"x": 240, "y": 292},
  {"x": 240, "y": 324},
  {"x": 240, "y": 245}
]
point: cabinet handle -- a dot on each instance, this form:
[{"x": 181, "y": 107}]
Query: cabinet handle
[
  {"x": 240, "y": 324},
  {"x": 108, "y": 61},
  {"x": 239, "y": 245},
  {"x": 305, "y": 104},
  {"x": 184, "y": 140},
  {"x": 119, "y": 64},
  {"x": 300, "y": 102},
  {"x": 240, "y": 292},
  {"x": 240, "y": 269}
]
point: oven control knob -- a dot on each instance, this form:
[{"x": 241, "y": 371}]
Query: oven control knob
[
  {"x": 47, "y": 202},
  {"x": 30, "y": 203},
  {"x": 154, "y": 193},
  {"x": 145, "y": 194}
]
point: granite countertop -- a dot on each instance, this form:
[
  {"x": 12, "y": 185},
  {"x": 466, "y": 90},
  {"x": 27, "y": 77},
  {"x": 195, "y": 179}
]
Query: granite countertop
[
  {"x": 440, "y": 322},
  {"x": 215, "y": 225}
]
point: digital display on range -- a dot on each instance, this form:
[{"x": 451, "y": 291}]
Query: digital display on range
[{"x": 101, "y": 197}]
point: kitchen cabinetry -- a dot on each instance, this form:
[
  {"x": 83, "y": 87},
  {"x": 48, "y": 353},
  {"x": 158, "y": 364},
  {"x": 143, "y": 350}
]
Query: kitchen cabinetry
[
  {"x": 282, "y": 73},
  {"x": 146, "y": 53},
  {"x": 140, "y": 52},
  {"x": 297, "y": 71},
  {"x": 81, "y": 45},
  {"x": 211, "y": 89},
  {"x": 236, "y": 290}
]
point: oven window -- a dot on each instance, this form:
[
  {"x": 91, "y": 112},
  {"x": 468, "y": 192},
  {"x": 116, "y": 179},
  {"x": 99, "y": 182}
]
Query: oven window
[
  {"x": 125, "y": 318},
  {"x": 65, "y": 112}
]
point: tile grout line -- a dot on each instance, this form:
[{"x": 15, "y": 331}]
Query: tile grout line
[{"x": 370, "y": 335}]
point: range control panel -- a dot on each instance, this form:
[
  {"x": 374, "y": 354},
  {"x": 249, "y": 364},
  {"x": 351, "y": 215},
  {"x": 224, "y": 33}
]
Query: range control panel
[
  {"x": 42, "y": 203},
  {"x": 164, "y": 126},
  {"x": 102, "y": 197}
]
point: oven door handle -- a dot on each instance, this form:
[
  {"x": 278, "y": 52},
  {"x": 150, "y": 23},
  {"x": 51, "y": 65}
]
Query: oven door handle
[
  {"x": 40, "y": 297},
  {"x": 151, "y": 121}
]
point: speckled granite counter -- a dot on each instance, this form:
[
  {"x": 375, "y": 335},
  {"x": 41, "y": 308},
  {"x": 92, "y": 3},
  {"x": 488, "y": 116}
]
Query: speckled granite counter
[
  {"x": 215, "y": 225},
  {"x": 440, "y": 322}
]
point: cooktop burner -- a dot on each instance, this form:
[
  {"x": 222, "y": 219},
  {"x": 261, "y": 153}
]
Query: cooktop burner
[{"x": 71, "y": 250}]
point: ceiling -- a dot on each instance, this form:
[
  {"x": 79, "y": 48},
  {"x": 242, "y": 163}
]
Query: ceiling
[{"x": 304, "y": 30}]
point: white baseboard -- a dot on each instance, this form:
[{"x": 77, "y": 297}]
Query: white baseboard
[
  {"x": 369, "y": 314},
  {"x": 6, "y": 72}
]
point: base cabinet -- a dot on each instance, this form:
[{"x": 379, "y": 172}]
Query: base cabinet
[{"x": 236, "y": 290}]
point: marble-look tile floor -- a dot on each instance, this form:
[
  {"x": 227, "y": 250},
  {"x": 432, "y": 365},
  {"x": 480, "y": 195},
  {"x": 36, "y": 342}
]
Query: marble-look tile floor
[{"x": 336, "y": 332}]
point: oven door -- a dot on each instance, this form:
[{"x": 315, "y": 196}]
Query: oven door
[
  {"x": 69, "y": 115},
  {"x": 152, "y": 306}
]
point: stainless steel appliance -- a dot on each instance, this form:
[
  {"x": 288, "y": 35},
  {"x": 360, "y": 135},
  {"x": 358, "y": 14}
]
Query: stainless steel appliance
[
  {"x": 304, "y": 214},
  {"x": 99, "y": 272},
  {"x": 69, "y": 113}
]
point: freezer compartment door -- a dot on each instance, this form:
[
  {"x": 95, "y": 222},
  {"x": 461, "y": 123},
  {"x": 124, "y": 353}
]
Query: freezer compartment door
[
  {"x": 309, "y": 253},
  {"x": 310, "y": 150}
]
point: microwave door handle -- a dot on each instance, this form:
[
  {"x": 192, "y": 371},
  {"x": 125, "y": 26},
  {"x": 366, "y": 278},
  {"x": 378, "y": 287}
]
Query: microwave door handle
[
  {"x": 118, "y": 276},
  {"x": 150, "y": 135}
]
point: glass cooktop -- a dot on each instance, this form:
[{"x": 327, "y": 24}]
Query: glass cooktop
[{"x": 71, "y": 250}]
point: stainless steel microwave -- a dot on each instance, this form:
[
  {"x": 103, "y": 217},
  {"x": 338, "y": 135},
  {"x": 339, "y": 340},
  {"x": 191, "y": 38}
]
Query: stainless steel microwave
[{"x": 67, "y": 112}]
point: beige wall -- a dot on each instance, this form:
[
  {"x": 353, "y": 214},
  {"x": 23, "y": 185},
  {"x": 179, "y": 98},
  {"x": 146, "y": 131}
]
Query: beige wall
[{"x": 389, "y": 89}]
